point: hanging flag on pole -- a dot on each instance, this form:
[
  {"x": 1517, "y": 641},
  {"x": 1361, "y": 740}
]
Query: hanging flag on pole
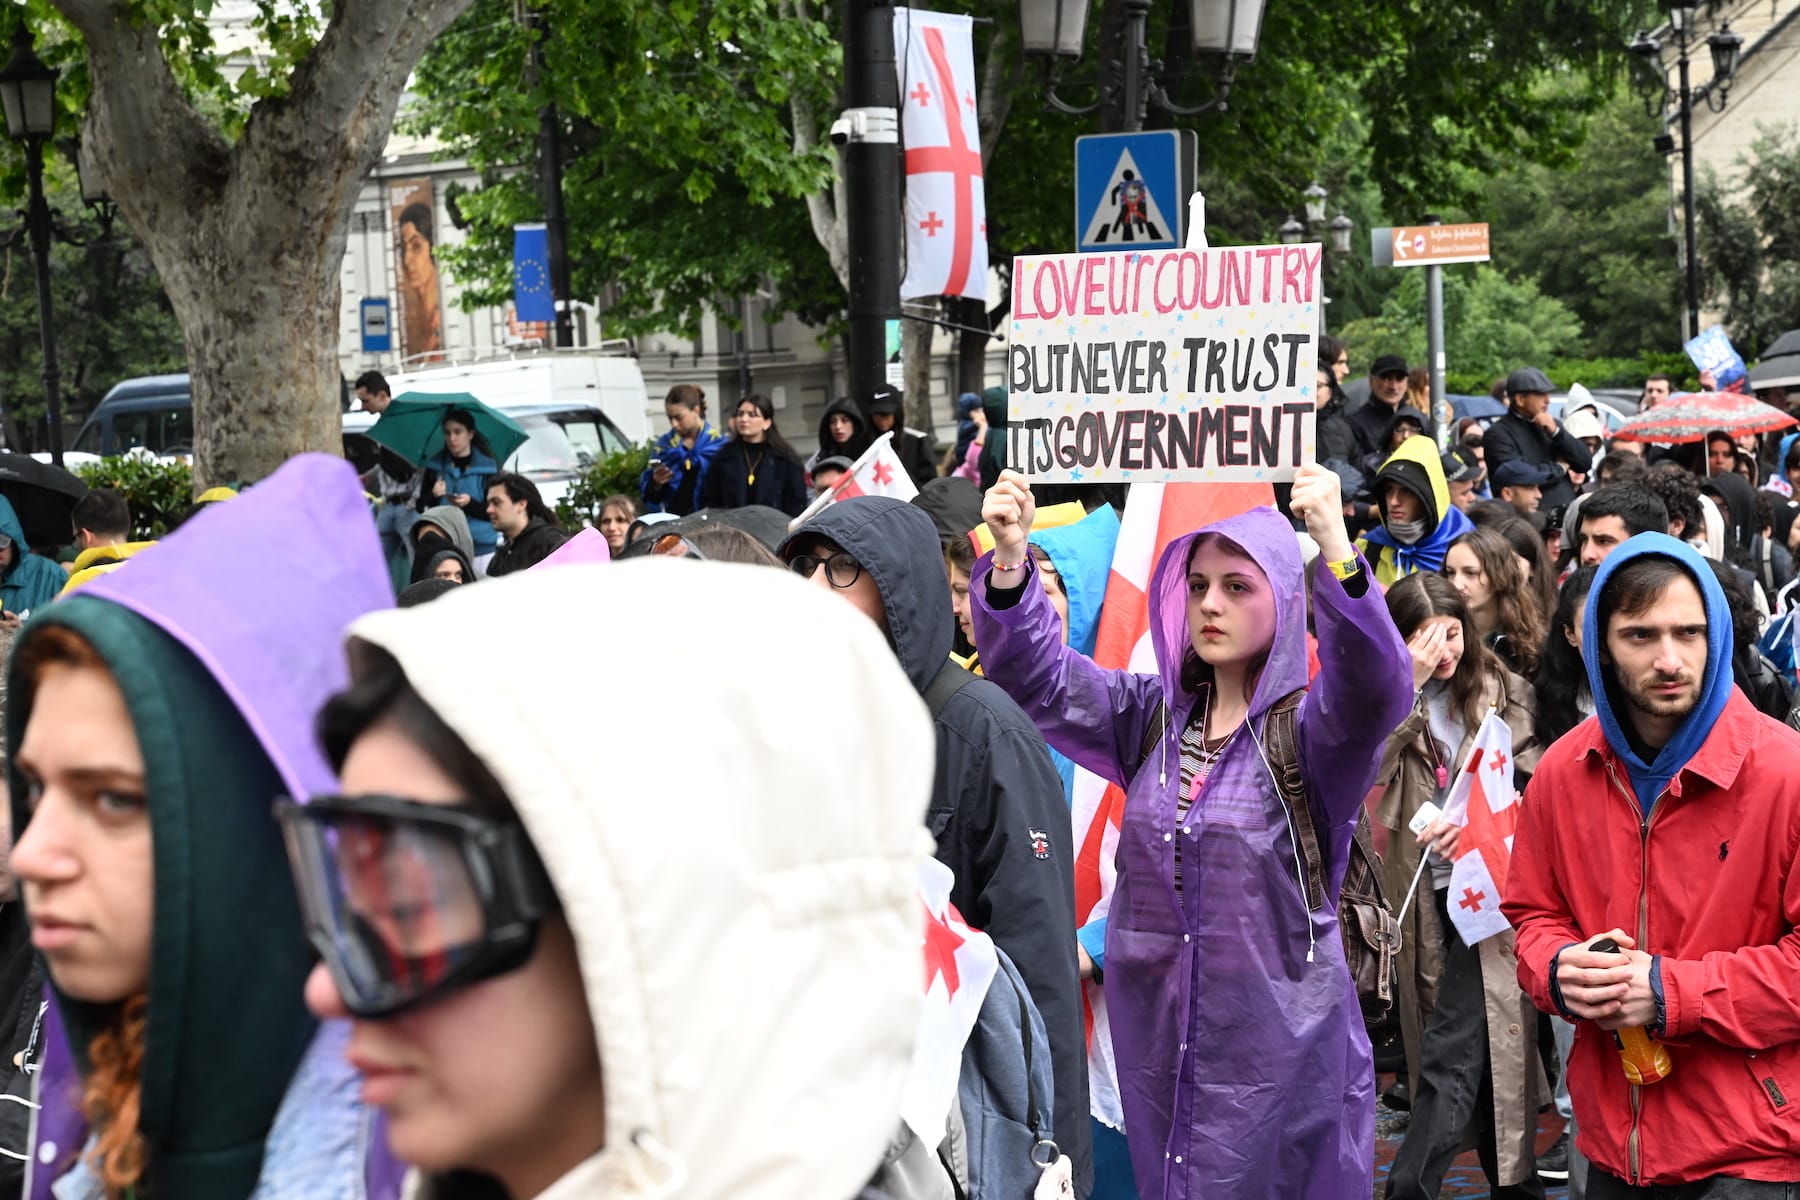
[
  {"x": 946, "y": 199},
  {"x": 532, "y": 297},
  {"x": 1485, "y": 803},
  {"x": 878, "y": 472}
]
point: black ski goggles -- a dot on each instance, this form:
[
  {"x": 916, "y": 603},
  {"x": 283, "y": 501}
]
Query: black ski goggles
[{"x": 406, "y": 902}]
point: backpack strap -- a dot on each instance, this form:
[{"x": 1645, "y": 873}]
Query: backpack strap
[
  {"x": 949, "y": 680},
  {"x": 1153, "y": 733},
  {"x": 1281, "y": 736}
]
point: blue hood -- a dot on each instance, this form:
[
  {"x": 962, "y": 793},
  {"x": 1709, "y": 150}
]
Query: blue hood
[
  {"x": 9, "y": 525},
  {"x": 1649, "y": 779},
  {"x": 1083, "y": 554}
]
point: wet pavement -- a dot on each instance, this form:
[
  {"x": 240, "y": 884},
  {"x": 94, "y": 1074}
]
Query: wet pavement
[{"x": 1464, "y": 1178}]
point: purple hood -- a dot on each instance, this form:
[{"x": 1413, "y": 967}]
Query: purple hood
[{"x": 268, "y": 625}]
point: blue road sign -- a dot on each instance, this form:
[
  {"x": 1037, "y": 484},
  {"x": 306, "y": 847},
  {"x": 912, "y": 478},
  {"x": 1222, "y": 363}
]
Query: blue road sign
[
  {"x": 377, "y": 326},
  {"x": 1132, "y": 189}
]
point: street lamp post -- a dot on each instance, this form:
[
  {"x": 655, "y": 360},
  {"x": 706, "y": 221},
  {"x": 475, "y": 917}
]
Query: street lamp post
[
  {"x": 1725, "y": 47},
  {"x": 1130, "y": 82},
  {"x": 1337, "y": 230},
  {"x": 28, "y": 94}
]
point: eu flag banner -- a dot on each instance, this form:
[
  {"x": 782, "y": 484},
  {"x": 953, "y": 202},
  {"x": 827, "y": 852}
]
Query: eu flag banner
[{"x": 532, "y": 296}]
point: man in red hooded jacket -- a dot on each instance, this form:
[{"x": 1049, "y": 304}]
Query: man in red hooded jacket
[{"x": 1669, "y": 822}]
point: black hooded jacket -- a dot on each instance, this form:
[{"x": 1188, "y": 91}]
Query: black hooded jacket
[
  {"x": 859, "y": 441},
  {"x": 536, "y": 542},
  {"x": 1336, "y": 437},
  {"x": 953, "y": 505},
  {"x": 996, "y": 793}
]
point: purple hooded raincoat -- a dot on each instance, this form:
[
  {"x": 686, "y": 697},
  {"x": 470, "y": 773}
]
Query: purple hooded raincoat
[{"x": 1243, "y": 1063}]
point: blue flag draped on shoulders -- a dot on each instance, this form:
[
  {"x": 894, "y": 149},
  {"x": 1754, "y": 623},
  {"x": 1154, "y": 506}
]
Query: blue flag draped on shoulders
[{"x": 532, "y": 296}]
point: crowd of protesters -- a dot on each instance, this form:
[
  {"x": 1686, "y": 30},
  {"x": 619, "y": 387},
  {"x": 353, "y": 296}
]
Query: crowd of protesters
[{"x": 314, "y": 906}]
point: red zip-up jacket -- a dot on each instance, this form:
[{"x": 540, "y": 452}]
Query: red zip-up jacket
[{"x": 1708, "y": 883}]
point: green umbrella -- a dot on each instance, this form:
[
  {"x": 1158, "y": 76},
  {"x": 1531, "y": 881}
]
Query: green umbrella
[{"x": 413, "y": 425}]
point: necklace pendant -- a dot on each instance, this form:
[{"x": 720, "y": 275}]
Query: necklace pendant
[{"x": 753, "y": 479}]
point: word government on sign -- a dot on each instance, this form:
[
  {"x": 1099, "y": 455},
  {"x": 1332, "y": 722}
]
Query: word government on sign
[{"x": 1164, "y": 365}]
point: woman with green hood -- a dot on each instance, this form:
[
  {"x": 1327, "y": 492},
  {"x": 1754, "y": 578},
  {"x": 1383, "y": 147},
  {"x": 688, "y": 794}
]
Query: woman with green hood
[{"x": 153, "y": 720}]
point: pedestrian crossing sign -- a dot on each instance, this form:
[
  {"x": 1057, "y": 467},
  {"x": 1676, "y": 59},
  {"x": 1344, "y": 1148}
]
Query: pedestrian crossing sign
[{"x": 1132, "y": 189}]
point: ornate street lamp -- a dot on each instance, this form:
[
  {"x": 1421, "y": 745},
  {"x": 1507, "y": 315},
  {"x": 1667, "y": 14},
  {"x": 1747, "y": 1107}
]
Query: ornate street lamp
[
  {"x": 1291, "y": 231},
  {"x": 1726, "y": 48},
  {"x": 1054, "y": 31},
  {"x": 1316, "y": 196},
  {"x": 28, "y": 95},
  {"x": 1340, "y": 229}
]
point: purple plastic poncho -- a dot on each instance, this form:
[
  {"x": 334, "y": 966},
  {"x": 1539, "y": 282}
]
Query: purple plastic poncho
[{"x": 1243, "y": 1063}]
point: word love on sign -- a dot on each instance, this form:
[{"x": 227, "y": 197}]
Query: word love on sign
[{"x": 1164, "y": 364}]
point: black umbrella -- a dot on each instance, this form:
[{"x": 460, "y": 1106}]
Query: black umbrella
[
  {"x": 44, "y": 497},
  {"x": 1779, "y": 366}
]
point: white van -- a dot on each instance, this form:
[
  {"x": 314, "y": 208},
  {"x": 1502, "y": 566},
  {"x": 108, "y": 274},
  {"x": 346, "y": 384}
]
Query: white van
[{"x": 606, "y": 378}]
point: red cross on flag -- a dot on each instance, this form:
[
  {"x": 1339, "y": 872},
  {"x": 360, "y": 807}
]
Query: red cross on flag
[
  {"x": 877, "y": 473},
  {"x": 946, "y": 201},
  {"x": 1485, "y": 803},
  {"x": 960, "y": 964}
]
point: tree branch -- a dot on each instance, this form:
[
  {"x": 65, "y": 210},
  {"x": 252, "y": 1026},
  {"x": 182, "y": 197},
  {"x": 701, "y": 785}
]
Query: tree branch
[
  {"x": 352, "y": 80},
  {"x": 824, "y": 209},
  {"x": 141, "y": 127}
]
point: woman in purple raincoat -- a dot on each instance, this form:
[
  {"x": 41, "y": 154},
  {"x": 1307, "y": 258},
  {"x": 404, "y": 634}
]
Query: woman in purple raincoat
[{"x": 1243, "y": 1063}]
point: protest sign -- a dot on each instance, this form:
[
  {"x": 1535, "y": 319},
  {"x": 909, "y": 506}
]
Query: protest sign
[
  {"x": 1164, "y": 364},
  {"x": 1713, "y": 351}
]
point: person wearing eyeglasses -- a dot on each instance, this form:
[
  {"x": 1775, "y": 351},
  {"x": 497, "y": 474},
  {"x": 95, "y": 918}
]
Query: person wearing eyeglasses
[
  {"x": 997, "y": 807},
  {"x": 153, "y": 717},
  {"x": 558, "y": 990}
]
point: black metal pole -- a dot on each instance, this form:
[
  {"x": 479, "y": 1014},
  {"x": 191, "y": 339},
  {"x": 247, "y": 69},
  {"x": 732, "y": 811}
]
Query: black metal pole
[
  {"x": 37, "y": 220},
  {"x": 550, "y": 184},
  {"x": 872, "y": 189},
  {"x": 1687, "y": 195}
]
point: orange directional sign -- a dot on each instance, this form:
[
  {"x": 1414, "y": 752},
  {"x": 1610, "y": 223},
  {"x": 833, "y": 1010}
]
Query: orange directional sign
[{"x": 1437, "y": 245}]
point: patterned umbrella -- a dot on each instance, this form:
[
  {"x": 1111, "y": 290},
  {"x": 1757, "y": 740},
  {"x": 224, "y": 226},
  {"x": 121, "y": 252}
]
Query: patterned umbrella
[{"x": 1691, "y": 416}]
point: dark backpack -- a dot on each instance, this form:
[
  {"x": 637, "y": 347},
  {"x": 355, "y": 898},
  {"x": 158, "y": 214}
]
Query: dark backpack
[{"x": 1366, "y": 920}]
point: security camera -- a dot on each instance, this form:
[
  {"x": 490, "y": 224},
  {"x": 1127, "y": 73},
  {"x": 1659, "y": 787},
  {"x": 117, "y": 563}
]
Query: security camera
[{"x": 843, "y": 130}]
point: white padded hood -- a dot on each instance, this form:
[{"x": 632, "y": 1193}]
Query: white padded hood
[{"x": 740, "y": 878}]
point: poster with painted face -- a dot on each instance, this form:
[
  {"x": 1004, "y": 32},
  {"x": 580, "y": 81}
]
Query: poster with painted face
[{"x": 412, "y": 209}]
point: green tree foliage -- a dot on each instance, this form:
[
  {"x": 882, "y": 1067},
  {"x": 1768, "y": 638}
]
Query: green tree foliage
[
  {"x": 112, "y": 322},
  {"x": 157, "y": 492},
  {"x": 619, "y": 472},
  {"x": 681, "y": 180},
  {"x": 686, "y": 185},
  {"x": 1749, "y": 235},
  {"x": 1595, "y": 234},
  {"x": 1492, "y": 322}
]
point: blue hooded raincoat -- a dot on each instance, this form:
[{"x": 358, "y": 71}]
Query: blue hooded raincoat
[{"x": 32, "y": 580}]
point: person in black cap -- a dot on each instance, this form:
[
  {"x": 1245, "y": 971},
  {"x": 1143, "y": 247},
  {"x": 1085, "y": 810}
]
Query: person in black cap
[
  {"x": 1387, "y": 392},
  {"x": 1463, "y": 475},
  {"x": 1529, "y": 434},
  {"x": 1522, "y": 485},
  {"x": 911, "y": 446}
]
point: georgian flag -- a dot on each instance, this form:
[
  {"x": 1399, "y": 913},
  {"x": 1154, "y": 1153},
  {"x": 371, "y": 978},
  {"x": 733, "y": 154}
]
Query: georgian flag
[
  {"x": 877, "y": 473},
  {"x": 960, "y": 965},
  {"x": 946, "y": 200},
  {"x": 1485, "y": 803}
]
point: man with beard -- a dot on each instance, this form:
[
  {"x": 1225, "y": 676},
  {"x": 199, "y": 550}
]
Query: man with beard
[{"x": 1667, "y": 825}]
